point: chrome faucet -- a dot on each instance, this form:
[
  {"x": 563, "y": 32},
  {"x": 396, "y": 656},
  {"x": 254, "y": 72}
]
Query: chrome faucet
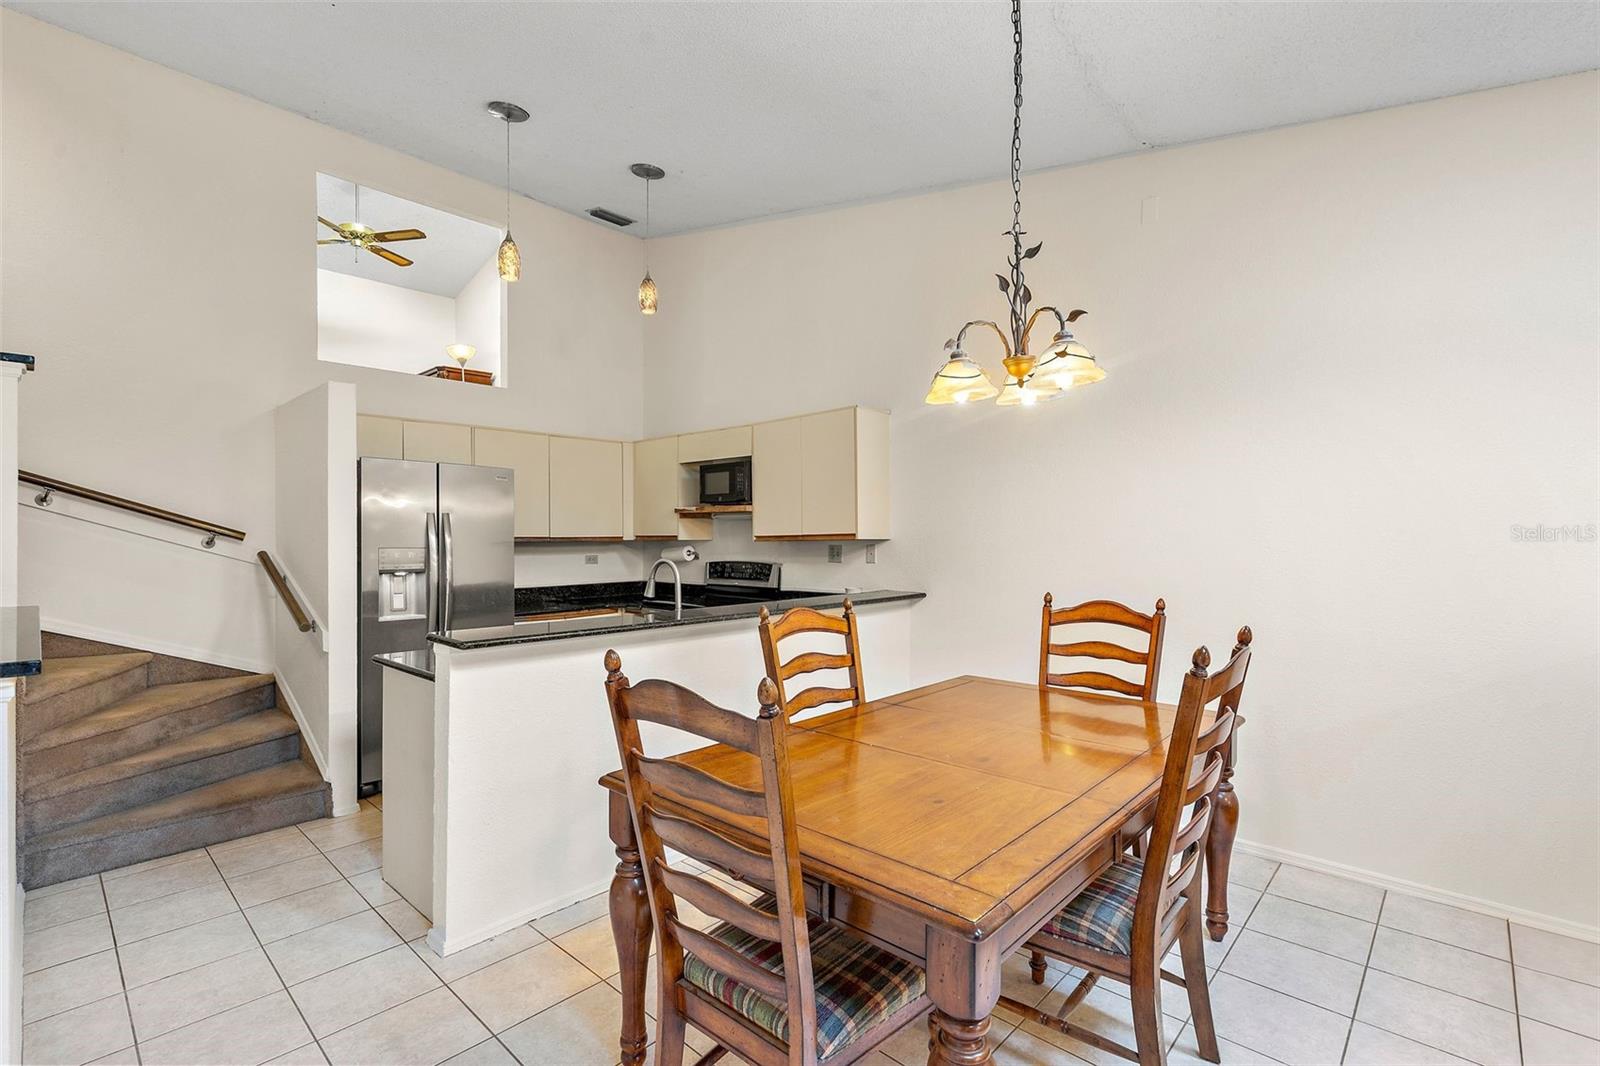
[{"x": 677, "y": 586}]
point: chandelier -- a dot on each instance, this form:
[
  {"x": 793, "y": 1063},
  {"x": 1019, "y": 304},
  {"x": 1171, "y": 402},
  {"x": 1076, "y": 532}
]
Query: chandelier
[{"x": 1028, "y": 379}]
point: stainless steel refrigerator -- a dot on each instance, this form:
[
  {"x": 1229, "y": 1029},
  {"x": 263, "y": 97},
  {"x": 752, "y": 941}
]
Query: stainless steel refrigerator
[{"x": 436, "y": 553}]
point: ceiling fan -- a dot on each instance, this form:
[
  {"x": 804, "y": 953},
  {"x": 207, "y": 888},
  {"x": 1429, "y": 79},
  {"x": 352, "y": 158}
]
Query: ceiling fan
[{"x": 358, "y": 236}]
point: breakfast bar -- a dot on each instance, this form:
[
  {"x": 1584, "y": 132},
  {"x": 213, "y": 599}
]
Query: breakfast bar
[{"x": 496, "y": 737}]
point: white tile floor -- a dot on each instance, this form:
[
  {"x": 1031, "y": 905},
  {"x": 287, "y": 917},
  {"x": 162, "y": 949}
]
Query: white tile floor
[{"x": 289, "y": 948}]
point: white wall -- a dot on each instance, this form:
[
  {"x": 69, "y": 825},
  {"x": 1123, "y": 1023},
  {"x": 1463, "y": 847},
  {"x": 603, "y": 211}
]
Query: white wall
[
  {"x": 316, "y": 490},
  {"x": 1345, "y": 359},
  {"x": 479, "y": 318},
  {"x": 162, "y": 357},
  {"x": 369, "y": 323}
]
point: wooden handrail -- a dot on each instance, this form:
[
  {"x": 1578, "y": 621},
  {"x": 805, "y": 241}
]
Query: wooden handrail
[
  {"x": 285, "y": 593},
  {"x": 50, "y": 485}
]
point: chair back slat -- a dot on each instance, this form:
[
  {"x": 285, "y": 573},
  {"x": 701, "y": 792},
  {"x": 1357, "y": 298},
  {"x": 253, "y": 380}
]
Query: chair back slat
[
  {"x": 665, "y": 703},
  {"x": 731, "y": 963},
  {"x": 721, "y": 904},
  {"x": 667, "y": 776},
  {"x": 666, "y": 801},
  {"x": 805, "y": 620},
  {"x": 1103, "y": 612},
  {"x": 1095, "y": 679},
  {"x": 1186, "y": 789},
  {"x": 712, "y": 849},
  {"x": 1100, "y": 649}
]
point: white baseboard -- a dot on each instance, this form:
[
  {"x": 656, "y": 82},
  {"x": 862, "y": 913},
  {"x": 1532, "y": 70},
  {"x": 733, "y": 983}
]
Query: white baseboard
[
  {"x": 1532, "y": 919},
  {"x": 443, "y": 945},
  {"x": 307, "y": 738},
  {"x": 145, "y": 643}
]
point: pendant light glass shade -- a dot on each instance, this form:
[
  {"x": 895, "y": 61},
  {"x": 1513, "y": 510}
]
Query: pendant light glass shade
[
  {"x": 1026, "y": 393},
  {"x": 960, "y": 380},
  {"x": 510, "y": 259},
  {"x": 1068, "y": 365},
  {"x": 647, "y": 295}
]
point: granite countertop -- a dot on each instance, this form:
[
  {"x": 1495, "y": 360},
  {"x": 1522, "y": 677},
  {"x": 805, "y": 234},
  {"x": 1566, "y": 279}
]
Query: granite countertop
[
  {"x": 420, "y": 663},
  {"x": 19, "y": 642}
]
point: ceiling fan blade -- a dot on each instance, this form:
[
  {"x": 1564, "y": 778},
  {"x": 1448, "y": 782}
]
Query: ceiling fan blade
[
  {"x": 399, "y": 235},
  {"x": 330, "y": 225},
  {"x": 384, "y": 253}
]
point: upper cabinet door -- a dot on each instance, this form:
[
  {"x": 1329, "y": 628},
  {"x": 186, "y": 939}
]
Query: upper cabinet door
[
  {"x": 655, "y": 487},
  {"x": 714, "y": 444},
  {"x": 828, "y": 481},
  {"x": 776, "y": 473},
  {"x": 438, "y": 442},
  {"x": 586, "y": 492},
  {"x": 527, "y": 455},
  {"x": 379, "y": 438}
]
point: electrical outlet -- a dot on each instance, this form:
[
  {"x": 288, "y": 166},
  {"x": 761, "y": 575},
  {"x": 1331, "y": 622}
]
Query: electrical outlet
[
  {"x": 591, "y": 560},
  {"x": 872, "y": 553},
  {"x": 836, "y": 553}
]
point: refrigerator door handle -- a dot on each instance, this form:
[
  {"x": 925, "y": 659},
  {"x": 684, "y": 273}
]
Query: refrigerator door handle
[
  {"x": 430, "y": 576},
  {"x": 447, "y": 572}
]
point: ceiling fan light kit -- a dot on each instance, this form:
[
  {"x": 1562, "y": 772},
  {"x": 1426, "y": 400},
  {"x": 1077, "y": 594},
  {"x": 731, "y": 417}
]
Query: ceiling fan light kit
[
  {"x": 509, "y": 258},
  {"x": 1027, "y": 380}
]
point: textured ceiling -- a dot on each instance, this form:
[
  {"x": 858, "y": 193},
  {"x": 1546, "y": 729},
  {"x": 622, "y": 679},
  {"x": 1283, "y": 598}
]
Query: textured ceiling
[
  {"x": 455, "y": 249},
  {"x": 756, "y": 109}
]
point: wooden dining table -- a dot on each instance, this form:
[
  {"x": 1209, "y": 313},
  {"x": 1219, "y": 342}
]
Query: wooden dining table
[{"x": 946, "y": 824}]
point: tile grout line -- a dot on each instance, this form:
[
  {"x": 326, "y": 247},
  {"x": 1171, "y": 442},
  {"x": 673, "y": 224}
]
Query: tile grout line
[{"x": 1362, "y": 984}]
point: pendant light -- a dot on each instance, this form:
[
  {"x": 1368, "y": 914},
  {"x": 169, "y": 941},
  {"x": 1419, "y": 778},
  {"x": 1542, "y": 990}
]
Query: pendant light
[
  {"x": 647, "y": 288},
  {"x": 1027, "y": 380},
  {"x": 509, "y": 258}
]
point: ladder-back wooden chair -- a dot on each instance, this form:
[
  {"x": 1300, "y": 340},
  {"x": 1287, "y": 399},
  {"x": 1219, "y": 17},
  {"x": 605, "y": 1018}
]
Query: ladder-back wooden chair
[
  {"x": 805, "y": 620},
  {"x": 765, "y": 982},
  {"x": 1122, "y": 925},
  {"x": 1107, "y": 612}
]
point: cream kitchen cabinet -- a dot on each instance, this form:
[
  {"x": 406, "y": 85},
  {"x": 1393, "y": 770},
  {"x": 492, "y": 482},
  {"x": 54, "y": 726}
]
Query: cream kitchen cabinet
[
  {"x": 527, "y": 456},
  {"x": 656, "y": 476},
  {"x": 714, "y": 444},
  {"x": 379, "y": 438},
  {"x": 823, "y": 476},
  {"x": 776, "y": 479},
  {"x": 586, "y": 489},
  {"x": 437, "y": 442}
]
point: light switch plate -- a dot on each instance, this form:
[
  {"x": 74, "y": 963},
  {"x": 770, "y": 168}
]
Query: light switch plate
[{"x": 836, "y": 553}]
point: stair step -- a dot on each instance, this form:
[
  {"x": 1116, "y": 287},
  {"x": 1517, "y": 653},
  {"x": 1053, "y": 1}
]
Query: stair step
[
  {"x": 64, "y": 675},
  {"x": 279, "y": 795},
  {"x": 145, "y": 706},
  {"x": 188, "y": 762}
]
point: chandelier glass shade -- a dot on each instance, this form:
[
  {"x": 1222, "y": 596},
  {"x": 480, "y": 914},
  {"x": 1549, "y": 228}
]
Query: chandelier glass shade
[{"x": 1027, "y": 380}]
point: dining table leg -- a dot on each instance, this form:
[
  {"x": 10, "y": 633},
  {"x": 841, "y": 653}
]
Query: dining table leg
[
  {"x": 1219, "y": 845},
  {"x": 964, "y": 984},
  {"x": 630, "y": 926}
]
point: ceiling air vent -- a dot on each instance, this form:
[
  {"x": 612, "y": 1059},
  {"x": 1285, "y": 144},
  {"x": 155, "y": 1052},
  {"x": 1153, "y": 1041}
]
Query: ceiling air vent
[{"x": 607, "y": 215}]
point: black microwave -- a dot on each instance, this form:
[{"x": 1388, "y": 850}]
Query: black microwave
[{"x": 724, "y": 483}]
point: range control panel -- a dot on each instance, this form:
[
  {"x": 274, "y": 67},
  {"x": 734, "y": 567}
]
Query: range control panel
[{"x": 744, "y": 573}]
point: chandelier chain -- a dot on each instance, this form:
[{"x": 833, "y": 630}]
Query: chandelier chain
[{"x": 1019, "y": 289}]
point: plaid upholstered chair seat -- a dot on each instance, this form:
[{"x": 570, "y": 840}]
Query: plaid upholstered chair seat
[
  {"x": 858, "y": 985},
  {"x": 1101, "y": 916}
]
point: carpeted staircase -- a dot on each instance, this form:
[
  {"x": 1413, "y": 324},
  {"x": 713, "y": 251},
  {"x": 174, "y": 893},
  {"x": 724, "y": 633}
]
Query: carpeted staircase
[{"x": 125, "y": 756}]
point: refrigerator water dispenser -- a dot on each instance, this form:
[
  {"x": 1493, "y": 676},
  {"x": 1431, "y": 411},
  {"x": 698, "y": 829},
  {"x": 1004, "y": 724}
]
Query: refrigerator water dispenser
[{"x": 402, "y": 594}]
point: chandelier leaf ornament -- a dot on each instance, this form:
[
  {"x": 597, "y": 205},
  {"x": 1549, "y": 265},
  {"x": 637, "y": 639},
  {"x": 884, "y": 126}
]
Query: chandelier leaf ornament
[{"x": 1028, "y": 380}]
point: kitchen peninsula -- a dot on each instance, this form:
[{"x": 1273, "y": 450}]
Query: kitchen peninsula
[{"x": 495, "y": 739}]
